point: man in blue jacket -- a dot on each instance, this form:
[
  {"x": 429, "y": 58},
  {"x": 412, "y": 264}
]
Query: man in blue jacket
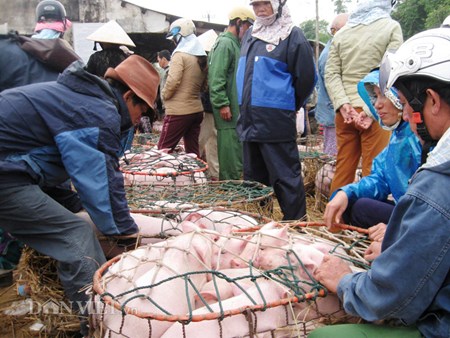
[
  {"x": 22, "y": 63},
  {"x": 74, "y": 129},
  {"x": 409, "y": 282}
]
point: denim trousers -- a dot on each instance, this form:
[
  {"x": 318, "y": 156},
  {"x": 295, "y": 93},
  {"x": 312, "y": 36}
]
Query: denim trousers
[
  {"x": 367, "y": 212},
  {"x": 30, "y": 215}
]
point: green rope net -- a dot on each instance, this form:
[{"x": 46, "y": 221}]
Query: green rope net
[
  {"x": 205, "y": 282},
  {"x": 244, "y": 195}
]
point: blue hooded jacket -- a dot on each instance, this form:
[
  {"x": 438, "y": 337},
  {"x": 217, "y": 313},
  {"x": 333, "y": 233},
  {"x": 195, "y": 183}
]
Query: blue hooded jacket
[
  {"x": 72, "y": 128},
  {"x": 391, "y": 169}
]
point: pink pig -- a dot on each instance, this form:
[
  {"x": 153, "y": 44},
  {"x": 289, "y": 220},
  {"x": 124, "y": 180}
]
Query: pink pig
[
  {"x": 305, "y": 257},
  {"x": 268, "y": 236},
  {"x": 226, "y": 249},
  {"x": 223, "y": 289},
  {"x": 217, "y": 220},
  {"x": 151, "y": 229},
  {"x": 186, "y": 253},
  {"x": 237, "y": 325}
]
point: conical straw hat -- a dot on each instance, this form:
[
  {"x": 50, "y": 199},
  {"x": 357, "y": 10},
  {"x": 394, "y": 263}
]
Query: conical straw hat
[
  {"x": 207, "y": 39},
  {"x": 111, "y": 32}
]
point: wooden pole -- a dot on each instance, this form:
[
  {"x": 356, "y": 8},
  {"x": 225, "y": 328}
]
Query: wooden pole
[{"x": 317, "y": 50}]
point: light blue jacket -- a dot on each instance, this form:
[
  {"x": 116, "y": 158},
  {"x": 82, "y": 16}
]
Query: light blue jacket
[{"x": 324, "y": 111}]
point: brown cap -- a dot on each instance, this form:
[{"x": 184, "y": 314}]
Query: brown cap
[{"x": 139, "y": 75}]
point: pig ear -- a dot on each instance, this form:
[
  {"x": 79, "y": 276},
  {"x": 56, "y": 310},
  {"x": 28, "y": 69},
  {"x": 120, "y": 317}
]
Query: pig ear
[
  {"x": 208, "y": 296},
  {"x": 201, "y": 248},
  {"x": 323, "y": 247},
  {"x": 283, "y": 232},
  {"x": 243, "y": 244},
  {"x": 193, "y": 217},
  {"x": 188, "y": 226},
  {"x": 267, "y": 226}
]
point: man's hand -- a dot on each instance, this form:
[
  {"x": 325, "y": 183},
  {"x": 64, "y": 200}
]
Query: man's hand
[
  {"x": 225, "y": 113},
  {"x": 335, "y": 208},
  {"x": 376, "y": 233},
  {"x": 331, "y": 271},
  {"x": 373, "y": 251}
]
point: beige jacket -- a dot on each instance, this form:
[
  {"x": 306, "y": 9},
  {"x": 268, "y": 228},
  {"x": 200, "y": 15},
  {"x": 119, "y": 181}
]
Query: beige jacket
[
  {"x": 181, "y": 93},
  {"x": 354, "y": 52}
]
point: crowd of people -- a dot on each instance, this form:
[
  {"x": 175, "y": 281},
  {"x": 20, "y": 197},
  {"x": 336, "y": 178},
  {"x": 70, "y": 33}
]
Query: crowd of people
[{"x": 383, "y": 102}]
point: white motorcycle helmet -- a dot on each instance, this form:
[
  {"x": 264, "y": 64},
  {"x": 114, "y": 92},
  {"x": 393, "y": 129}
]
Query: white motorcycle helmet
[
  {"x": 425, "y": 54},
  {"x": 180, "y": 28}
]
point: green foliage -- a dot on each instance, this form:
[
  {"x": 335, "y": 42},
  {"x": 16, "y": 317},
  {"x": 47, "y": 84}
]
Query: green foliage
[
  {"x": 418, "y": 15},
  {"x": 437, "y": 12},
  {"x": 309, "y": 29},
  {"x": 340, "y": 6}
]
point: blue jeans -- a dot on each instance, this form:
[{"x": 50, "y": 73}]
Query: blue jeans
[
  {"x": 367, "y": 212},
  {"x": 39, "y": 221}
]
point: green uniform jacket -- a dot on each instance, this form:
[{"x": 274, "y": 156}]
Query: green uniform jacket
[{"x": 222, "y": 66}]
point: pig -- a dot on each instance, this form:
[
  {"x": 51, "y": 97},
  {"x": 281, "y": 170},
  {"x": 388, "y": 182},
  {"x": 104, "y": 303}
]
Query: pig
[
  {"x": 161, "y": 178},
  {"x": 180, "y": 255},
  {"x": 133, "y": 264},
  {"x": 325, "y": 175},
  {"x": 226, "y": 249},
  {"x": 237, "y": 325},
  {"x": 270, "y": 235},
  {"x": 151, "y": 229},
  {"x": 159, "y": 169},
  {"x": 218, "y": 219},
  {"x": 306, "y": 258},
  {"x": 220, "y": 286}
]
